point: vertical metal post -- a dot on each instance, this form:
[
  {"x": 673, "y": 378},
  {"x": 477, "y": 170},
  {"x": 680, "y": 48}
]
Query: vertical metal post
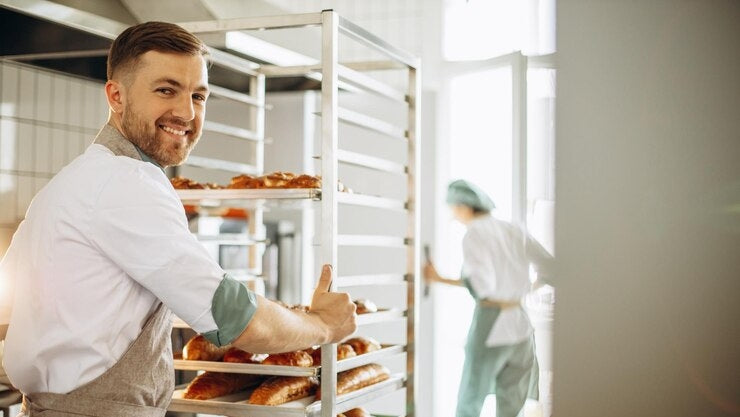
[
  {"x": 257, "y": 122},
  {"x": 329, "y": 173},
  {"x": 519, "y": 145},
  {"x": 412, "y": 234}
]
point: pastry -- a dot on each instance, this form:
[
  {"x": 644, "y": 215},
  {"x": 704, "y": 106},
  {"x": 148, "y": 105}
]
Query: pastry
[
  {"x": 200, "y": 349},
  {"x": 344, "y": 351},
  {"x": 365, "y": 306},
  {"x": 358, "y": 378},
  {"x": 217, "y": 384},
  {"x": 236, "y": 355},
  {"x": 363, "y": 345},
  {"x": 297, "y": 358},
  {"x": 282, "y": 389},
  {"x": 355, "y": 412}
]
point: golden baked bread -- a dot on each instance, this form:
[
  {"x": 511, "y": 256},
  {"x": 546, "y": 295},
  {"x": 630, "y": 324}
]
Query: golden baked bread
[
  {"x": 278, "y": 179},
  {"x": 282, "y": 389},
  {"x": 245, "y": 181},
  {"x": 182, "y": 183},
  {"x": 236, "y": 355},
  {"x": 200, "y": 349},
  {"x": 363, "y": 345},
  {"x": 355, "y": 412},
  {"x": 365, "y": 306},
  {"x": 344, "y": 351},
  {"x": 358, "y": 378},
  {"x": 297, "y": 358},
  {"x": 305, "y": 181},
  {"x": 216, "y": 384}
]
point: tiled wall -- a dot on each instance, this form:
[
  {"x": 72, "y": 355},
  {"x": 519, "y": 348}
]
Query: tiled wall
[{"x": 46, "y": 120}]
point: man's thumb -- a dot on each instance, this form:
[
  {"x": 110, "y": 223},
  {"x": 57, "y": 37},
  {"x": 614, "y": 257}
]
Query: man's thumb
[{"x": 324, "y": 280}]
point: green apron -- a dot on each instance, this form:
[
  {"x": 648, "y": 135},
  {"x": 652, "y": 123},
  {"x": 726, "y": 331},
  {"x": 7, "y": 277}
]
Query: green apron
[{"x": 510, "y": 372}]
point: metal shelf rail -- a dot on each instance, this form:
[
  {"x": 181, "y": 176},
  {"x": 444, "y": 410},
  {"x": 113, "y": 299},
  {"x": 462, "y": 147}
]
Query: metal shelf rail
[{"x": 334, "y": 76}]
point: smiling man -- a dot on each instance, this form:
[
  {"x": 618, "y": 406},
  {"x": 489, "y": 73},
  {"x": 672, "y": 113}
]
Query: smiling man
[{"x": 105, "y": 256}]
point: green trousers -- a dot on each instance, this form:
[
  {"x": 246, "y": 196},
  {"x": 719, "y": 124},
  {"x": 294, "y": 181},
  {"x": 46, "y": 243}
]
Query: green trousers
[{"x": 510, "y": 372}]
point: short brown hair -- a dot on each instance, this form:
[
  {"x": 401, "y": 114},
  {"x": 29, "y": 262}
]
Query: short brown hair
[{"x": 151, "y": 36}]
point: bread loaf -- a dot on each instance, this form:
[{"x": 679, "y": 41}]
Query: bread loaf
[
  {"x": 297, "y": 358},
  {"x": 236, "y": 355},
  {"x": 344, "y": 351},
  {"x": 358, "y": 378},
  {"x": 282, "y": 389},
  {"x": 355, "y": 412},
  {"x": 363, "y": 345},
  {"x": 200, "y": 349},
  {"x": 216, "y": 384}
]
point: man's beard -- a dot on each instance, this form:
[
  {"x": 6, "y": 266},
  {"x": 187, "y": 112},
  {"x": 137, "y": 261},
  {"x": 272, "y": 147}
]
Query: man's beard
[{"x": 164, "y": 151}]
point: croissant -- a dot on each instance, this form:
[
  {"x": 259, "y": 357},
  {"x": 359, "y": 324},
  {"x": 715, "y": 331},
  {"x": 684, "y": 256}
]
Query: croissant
[
  {"x": 283, "y": 389},
  {"x": 297, "y": 358},
  {"x": 363, "y": 345},
  {"x": 358, "y": 378},
  {"x": 216, "y": 384},
  {"x": 200, "y": 349}
]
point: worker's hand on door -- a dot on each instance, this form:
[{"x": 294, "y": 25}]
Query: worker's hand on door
[
  {"x": 335, "y": 309},
  {"x": 430, "y": 273}
]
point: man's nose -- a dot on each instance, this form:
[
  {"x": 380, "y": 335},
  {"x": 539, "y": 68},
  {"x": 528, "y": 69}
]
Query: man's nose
[{"x": 184, "y": 109}]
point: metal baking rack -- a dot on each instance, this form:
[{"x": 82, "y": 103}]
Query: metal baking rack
[
  {"x": 236, "y": 405},
  {"x": 332, "y": 76},
  {"x": 258, "y": 369}
]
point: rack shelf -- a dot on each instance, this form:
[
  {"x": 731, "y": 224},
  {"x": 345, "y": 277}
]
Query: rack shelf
[
  {"x": 236, "y": 405},
  {"x": 258, "y": 369},
  {"x": 215, "y": 198}
]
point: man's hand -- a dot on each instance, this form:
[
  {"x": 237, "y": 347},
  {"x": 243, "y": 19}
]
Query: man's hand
[{"x": 335, "y": 310}]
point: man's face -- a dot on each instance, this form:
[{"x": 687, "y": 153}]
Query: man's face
[{"x": 165, "y": 104}]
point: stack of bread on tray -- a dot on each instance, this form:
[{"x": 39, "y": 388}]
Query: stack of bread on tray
[
  {"x": 274, "y": 180},
  {"x": 276, "y": 390}
]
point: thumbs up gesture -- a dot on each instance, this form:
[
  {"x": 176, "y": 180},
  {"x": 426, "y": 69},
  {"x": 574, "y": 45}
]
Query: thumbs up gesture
[{"x": 335, "y": 310}]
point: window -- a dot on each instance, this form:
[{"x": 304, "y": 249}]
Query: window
[{"x": 500, "y": 97}]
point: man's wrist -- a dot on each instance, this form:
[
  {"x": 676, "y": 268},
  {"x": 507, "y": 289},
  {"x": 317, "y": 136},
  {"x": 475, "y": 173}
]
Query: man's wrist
[{"x": 322, "y": 330}]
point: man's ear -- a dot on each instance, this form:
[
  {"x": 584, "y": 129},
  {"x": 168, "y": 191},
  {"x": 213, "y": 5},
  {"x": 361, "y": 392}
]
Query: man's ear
[{"x": 115, "y": 93}]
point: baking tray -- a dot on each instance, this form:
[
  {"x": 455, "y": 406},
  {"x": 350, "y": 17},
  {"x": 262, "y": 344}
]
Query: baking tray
[
  {"x": 250, "y": 194},
  {"x": 235, "y": 405},
  {"x": 257, "y": 369}
]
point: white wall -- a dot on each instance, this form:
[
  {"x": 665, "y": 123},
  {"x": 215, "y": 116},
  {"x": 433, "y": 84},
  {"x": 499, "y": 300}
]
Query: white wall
[
  {"x": 46, "y": 120},
  {"x": 647, "y": 223}
]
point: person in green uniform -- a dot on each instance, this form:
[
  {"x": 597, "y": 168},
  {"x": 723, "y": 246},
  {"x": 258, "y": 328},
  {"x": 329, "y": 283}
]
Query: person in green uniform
[{"x": 500, "y": 352}]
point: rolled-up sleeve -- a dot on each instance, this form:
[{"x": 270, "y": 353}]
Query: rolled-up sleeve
[{"x": 140, "y": 225}]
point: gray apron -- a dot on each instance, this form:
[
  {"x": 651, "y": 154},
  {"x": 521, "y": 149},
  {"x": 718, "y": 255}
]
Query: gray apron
[
  {"x": 140, "y": 384},
  {"x": 510, "y": 372}
]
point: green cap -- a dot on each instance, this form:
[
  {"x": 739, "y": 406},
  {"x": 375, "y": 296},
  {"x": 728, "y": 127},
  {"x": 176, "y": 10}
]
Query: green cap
[{"x": 468, "y": 194}]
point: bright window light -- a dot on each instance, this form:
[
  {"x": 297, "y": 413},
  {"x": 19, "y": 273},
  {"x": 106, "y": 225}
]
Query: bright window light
[{"x": 480, "y": 29}]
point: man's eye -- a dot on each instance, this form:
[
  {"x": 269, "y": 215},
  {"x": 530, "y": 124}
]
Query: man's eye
[
  {"x": 199, "y": 97},
  {"x": 166, "y": 91}
]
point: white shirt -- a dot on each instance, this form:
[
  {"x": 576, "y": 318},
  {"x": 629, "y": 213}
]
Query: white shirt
[
  {"x": 102, "y": 244},
  {"x": 497, "y": 256}
]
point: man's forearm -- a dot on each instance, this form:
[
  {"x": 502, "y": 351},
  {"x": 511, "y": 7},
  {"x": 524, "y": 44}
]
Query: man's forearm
[{"x": 275, "y": 329}]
